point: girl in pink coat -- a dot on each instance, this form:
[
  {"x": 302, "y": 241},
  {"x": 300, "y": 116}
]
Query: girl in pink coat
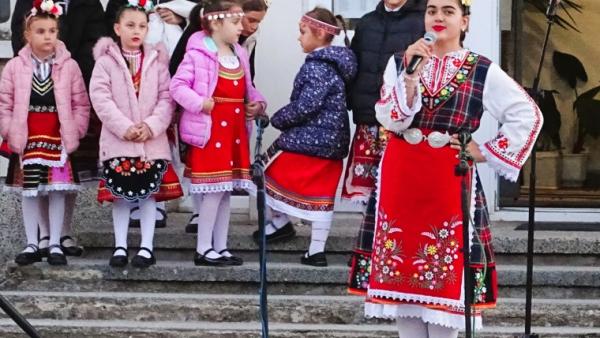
[
  {"x": 130, "y": 93},
  {"x": 44, "y": 112},
  {"x": 213, "y": 85}
]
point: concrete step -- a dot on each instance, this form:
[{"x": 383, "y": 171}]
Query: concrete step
[
  {"x": 282, "y": 308},
  {"x": 558, "y": 247},
  {"x": 278, "y": 273},
  {"x": 133, "y": 329}
]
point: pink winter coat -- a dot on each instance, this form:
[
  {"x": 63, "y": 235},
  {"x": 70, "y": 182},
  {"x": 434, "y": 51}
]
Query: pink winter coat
[
  {"x": 114, "y": 100},
  {"x": 196, "y": 80},
  {"x": 72, "y": 101}
]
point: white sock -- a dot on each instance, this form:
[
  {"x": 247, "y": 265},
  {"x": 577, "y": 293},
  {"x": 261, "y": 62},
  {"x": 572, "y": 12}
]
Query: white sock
[
  {"x": 43, "y": 221},
  {"x": 68, "y": 222},
  {"x": 120, "y": 212},
  {"x": 275, "y": 221},
  {"x": 196, "y": 211},
  {"x": 147, "y": 224},
  {"x": 31, "y": 215},
  {"x": 222, "y": 225},
  {"x": 437, "y": 331},
  {"x": 208, "y": 207},
  {"x": 411, "y": 328},
  {"x": 56, "y": 214},
  {"x": 319, "y": 235}
]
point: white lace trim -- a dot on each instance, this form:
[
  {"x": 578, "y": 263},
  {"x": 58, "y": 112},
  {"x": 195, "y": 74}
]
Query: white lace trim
[
  {"x": 43, "y": 190},
  {"x": 430, "y": 316},
  {"x": 401, "y": 296},
  {"x": 313, "y": 216},
  {"x": 507, "y": 171},
  {"x": 48, "y": 163},
  {"x": 401, "y": 92},
  {"x": 229, "y": 61},
  {"x": 247, "y": 185},
  {"x": 435, "y": 67}
]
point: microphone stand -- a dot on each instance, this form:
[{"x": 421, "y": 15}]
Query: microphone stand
[
  {"x": 258, "y": 177},
  {"x": 18, "y": 318},
  {"x": 550, "y": 15},
  {"x": 463, "y": 169}
]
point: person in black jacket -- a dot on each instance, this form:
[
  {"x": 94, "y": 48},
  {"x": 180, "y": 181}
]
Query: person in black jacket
[
  {"x": 79, "y": 28},
  {"x": 386, "y": 31}
]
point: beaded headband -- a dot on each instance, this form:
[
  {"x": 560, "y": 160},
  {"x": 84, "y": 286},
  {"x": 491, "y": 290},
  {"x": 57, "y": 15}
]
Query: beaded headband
[
  {"x": 45, "y": 6},
  {"x": 223, "y": 15},
  {"x": 144, "y": 5},
  {"x": 314, "y": 23}
]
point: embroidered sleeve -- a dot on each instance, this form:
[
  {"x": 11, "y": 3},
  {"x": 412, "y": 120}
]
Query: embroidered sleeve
[
  {"x": 392, "y": 109},
  {"x": 521, "y": 121}
]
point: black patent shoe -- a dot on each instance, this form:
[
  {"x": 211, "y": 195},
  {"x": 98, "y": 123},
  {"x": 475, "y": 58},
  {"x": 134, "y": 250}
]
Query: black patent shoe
[
  {"x": 28, "y": 258},
  {"x": 43, "y": 251},
  {"x": 233, "y": 260},
  {"x": 201, "y": 259},
  {"x": 317, "y": 259},
  {"x": 159, "y": 223},
  {"x": 56, "y": 258},
  {"x": 142, "y": 262},
  {"x": 119, "y": 261},
  {"x": 282, "y": 234},
  {"x": 191, "y": 227},
  {"x": 73, "y": 250}
]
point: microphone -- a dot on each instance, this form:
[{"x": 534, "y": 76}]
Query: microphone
[
  {"x": 430, "y": 38},
  {"x": 262, "y": 121},
  {"x": 552, "y": 8}
]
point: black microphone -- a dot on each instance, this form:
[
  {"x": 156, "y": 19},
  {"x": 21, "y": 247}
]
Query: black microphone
[
  {"x": 262, "y": 121},
  {"x": 552, "y": 8},
  {"x": 430, "y": 38}
]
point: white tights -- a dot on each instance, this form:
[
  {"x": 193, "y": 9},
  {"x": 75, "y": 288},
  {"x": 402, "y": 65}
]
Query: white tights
[
  {"x": 416, "y": 328},
  {"x": 43, "y": 222},
  {"x": 319, "y": 232},
  {"x": 36, "y": 211},
  {"x": 121, "y": 211},
  {"x": 213, "y": 223}
]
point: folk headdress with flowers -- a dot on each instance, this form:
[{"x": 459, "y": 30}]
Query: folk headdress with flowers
[
  {"x": 144, "y": 5},
  {"x": 47, "y": 7}
]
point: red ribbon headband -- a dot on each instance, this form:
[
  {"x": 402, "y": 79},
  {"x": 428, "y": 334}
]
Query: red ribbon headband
[{"x": 314, "y": 23}]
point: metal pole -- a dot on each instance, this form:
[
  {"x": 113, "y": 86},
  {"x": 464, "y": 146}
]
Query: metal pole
[{"x": 18, "y": 318}]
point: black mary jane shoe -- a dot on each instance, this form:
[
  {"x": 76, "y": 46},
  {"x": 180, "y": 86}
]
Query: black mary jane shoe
[
  {"x": 119, "y": 261},
  {"x": 282, "y": 234},
  {"x": 28, "y": 258},
  {"x": 142, "y": 262},
  {"x": 201, "y": 259},
  {"x": 192, "y": 228},
  {"x": 55, "y": 258},
  {"x": 74, "y": 250},
  {"x": 233, "y": 260},
  {"x": 160, "y": 223},
  {"x": 317, "y": 259},
  {"x": 43, "y": 251}
]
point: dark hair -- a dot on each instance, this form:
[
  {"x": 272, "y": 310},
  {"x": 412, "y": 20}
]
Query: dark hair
[
  {"x": 254, "y": 6},
  {"x": 211, "y": 6},
  {"x": 124, "y": 8},
  {"x": 325, "y": 15},
  {"x": 466, "y": 10}
]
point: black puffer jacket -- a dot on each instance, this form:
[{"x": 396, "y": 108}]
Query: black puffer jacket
[{"x": 378, "y": 36}]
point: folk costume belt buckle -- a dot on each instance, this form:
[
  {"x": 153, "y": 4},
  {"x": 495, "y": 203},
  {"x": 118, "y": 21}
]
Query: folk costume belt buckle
[{"x": 435, "y": 139}]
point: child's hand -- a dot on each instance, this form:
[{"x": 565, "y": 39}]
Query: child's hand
[
  {"x": 144, "y": 132},
  {"x": 208, "y": 105},
  {"x": 168, "y": 16},
  {"x": 252, "y": 110},
  {"x": 131, "y": 134}
]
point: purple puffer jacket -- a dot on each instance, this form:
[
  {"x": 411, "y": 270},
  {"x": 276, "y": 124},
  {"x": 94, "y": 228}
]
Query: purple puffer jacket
[{"x": 195, "y": 81}]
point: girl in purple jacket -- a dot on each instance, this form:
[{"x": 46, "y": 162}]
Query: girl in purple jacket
[
  {"x": 213, "y": 85},
  {"x": 44, "y": 112},
  {"x": 130, "y": 93}
]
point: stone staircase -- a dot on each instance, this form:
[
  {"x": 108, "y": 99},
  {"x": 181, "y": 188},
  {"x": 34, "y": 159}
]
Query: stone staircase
[{"x": 87, "y": 298}]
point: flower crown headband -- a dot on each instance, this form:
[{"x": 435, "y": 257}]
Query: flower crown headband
[
  {"x": 467, "y": 4},
  {"x": 45, "y": 6},
  {"x": 144, "y": 5},
  {"x": 314, "y": 23}
]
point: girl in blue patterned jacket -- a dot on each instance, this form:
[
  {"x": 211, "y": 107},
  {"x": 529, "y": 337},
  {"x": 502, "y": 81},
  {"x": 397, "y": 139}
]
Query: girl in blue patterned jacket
[{"x": 304, "y": 164}]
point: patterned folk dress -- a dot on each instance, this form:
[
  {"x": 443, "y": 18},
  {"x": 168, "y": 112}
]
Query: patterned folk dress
[
  {"x": 44, "y": 166},
  {"x": 417, "y": 262},
  {"x": 132, "y": 178},
  {"x": 224, "y": 163}
]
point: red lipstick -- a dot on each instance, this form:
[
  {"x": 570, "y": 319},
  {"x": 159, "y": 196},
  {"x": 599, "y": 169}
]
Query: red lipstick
[{"x": 438, "y": 28}]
